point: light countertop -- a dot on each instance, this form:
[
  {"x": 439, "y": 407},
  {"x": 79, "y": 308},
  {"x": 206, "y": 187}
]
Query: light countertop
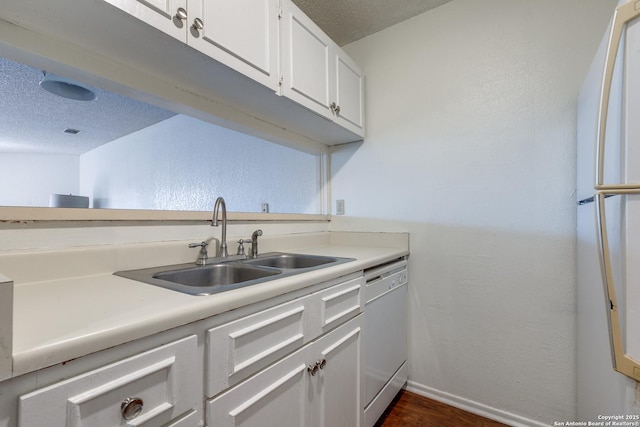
[{"x": 67, "y": 317}]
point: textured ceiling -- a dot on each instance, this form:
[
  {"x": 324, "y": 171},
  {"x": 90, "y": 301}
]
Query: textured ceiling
[
  {"x": 346, "y": 21},
  {"x": 34, "y": 120}
]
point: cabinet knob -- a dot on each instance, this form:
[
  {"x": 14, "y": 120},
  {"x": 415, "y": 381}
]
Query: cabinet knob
[
  {"x": 312, "y": 369},
  {"x": 322, "y": 363},
  {"x": 198, "y": 24},
  {"x": 181, "y": 13},
  {"x": 131, "y": 407},
  {"x": 332, "y": 107},
  {"x": 337, "y": 110}
]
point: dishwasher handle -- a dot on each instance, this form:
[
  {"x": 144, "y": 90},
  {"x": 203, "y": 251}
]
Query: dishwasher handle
[{"x": 385, "y": 270}]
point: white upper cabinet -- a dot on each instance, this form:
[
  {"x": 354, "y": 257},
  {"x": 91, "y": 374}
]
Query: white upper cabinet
[
  {"x": 317, "y": 74},
  {"x": 309, "y": 92},
  {"x": 242, "y": 34},
  {"x": 349, "y": 110},
  {"x": 306, "y": 61},
  {"x": 169, "y": 16}
]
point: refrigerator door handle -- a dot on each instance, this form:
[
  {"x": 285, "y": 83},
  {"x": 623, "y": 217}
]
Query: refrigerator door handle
[
  {"x": 623, "y": 14},
  {"x": 622, "y": 362}
]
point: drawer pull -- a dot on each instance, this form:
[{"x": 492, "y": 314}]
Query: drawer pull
[{"x": 131, "y": 407}]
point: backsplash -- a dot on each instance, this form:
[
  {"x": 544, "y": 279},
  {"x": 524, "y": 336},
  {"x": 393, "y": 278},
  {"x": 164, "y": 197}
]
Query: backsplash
[{"x": 51, "y": 235}]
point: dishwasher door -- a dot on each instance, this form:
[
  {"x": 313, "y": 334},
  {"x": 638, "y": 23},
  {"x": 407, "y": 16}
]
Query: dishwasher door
[{"x": 385, "y": 337}]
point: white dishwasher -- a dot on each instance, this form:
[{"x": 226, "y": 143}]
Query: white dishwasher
[{"x": 385, "y": 337}]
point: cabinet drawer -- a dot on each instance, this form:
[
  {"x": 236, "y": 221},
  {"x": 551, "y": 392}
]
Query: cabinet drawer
[
  {"x": 336, "y": 305},
  {"x": 238, "y": 349},
  {"x": 162, "y": 383}
]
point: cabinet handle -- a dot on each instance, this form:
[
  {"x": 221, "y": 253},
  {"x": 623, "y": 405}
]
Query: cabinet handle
[
  {"x": 181, "y": 13},
  {"x": 198, "y": 24},
  {"x": 313, "y": 369},
  {"x": 333, "y": 107},
  {"x": 322, "y": 363},
  {"x": 131, "y": 407}
]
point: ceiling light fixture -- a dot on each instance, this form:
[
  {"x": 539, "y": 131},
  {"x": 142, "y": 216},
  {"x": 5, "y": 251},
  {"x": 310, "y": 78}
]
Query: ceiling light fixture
[{"x": 66, "y": 88}]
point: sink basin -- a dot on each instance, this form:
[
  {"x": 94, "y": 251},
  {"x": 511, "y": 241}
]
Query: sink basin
[
  {"x": 205, "y": 280},
  {"x": 226, "y": 275},
  {"x": 215, "y": 275},
  {"x": 291, "y": 261}
]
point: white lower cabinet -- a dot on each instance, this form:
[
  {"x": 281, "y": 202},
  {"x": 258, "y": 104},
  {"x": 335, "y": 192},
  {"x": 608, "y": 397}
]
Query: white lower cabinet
[
  {"x": 297, "y": 363},
  {"x": 155, "y": 388},
  {"x": 318, "y": 385},
  {"x": 338, "y": 388},
  {"x": 239, "y": 349}
]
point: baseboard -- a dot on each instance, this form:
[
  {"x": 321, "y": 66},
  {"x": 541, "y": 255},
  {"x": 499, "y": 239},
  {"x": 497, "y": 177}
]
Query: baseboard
[{"x": 473, "y": 407}]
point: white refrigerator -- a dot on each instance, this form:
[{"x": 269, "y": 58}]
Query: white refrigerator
[{"x": 608, "y": 215}]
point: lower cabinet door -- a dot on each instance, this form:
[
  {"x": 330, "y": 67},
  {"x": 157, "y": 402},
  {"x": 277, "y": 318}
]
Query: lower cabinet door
[
  {"x": 275, "y": 396},
  {"x": 339, "y": 387},
  {"x": 318, "y": 385},
  {"x": 150, "y": 389}
]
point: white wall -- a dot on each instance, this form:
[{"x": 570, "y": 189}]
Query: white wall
[
  {"x": 183, "y": 164},
  {"x": 471, "y": 117},
  {"x": 29, "y": 179}
]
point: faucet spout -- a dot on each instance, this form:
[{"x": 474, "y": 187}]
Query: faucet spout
[{"x": 222, "y": 251}]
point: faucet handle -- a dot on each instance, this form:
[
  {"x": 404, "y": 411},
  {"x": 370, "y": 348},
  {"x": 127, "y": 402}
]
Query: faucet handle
[
  {"x": 201, "y": 244},
  {"x": 203, "y": 256},
  {"x": 241, "y": 243}
]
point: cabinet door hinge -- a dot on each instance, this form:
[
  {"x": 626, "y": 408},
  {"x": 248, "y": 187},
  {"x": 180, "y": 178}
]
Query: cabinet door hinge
[
  {"x": 280, "y": 80},
  {"x": 279, "y": 13}
]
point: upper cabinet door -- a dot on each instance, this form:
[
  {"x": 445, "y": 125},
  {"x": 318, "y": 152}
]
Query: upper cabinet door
[
  {"x": 319, "y": 75},
  {"x": 169, "y": 16},
  {"x": 307, "y": 61},
  {"x": 349, "y": 110},
  {"x": 242, "y": 34}
]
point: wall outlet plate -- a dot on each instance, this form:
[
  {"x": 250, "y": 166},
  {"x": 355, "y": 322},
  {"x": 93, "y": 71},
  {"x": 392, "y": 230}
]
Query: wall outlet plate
[
  {"x": 340, "y": 207},
  {"x": 264, "y": 207}
]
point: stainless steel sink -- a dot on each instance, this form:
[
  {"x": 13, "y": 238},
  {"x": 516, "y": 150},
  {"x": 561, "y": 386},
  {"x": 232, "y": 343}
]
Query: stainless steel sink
[
  {"x": 224, "y": 275},
  {"x": 291, "y": 261}
]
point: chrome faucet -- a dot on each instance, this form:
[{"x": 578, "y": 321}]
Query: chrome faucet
[{"x": 222, "y": 251}]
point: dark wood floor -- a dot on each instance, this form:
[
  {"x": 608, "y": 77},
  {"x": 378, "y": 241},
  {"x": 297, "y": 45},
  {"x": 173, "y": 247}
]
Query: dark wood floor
[{"x": 412, "y": 410}]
